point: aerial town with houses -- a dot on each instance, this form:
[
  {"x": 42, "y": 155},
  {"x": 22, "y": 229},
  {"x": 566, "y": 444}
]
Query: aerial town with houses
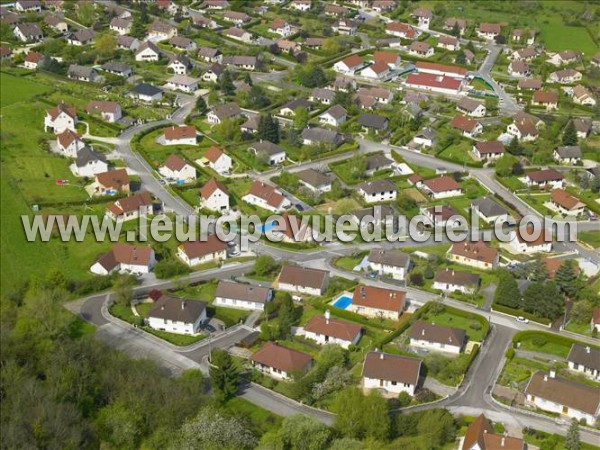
[{"x": 462, "y": 114}]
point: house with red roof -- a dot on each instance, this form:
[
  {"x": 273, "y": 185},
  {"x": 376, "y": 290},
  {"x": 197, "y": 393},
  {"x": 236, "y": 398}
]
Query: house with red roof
[
  {"x": 325, "y": 330},
  {"x": 217, "y": 160},
  {"x": 214, "y": 196},
  {"x": 468, "y": 127},
  {"x": 401, "y": 30},
  {"x": 442, "y": 187},
  {"x": 180, "y": 135},
  {"x": 177, "y": 168},
  {"x": 267, "y": 197},
  {"x": 545, "y": 178},
  {"x": 203, "y": 251},
  {"x": 69, "y": 143},
  {"x": 435, "y": 83},
  {"x": 280, "y": 362},
  {"x": 349, "y": 65},
  {"x": 372, "y": 301},
  {"x": 60, "y": 118},
  {"x": 125, "y": 258},
  {"x": 130, "y": 208}
]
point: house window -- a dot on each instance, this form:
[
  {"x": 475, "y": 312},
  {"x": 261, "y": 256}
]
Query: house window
[{"x": 394, "y": 383}]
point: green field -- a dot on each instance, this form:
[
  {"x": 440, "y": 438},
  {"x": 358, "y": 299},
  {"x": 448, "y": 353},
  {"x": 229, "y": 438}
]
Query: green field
[
  {"x": 561, "y": 37},
  {"x": 17, "y": 89}
]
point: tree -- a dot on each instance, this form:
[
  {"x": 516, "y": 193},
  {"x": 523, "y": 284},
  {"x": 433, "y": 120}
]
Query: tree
[
  {"x": 504, "y": 165},
  {"x": 595, "y": 184},
  {"x": 570, "y": 134},
  {"x": 302, "y": 432},
  {"x": 123, "y": 290},
  {"x": 265, "y": 265},
  {"x": 224, "y": 375},
  {"x": 106, "y": 45},
  {"x": 507, "y": 293},
  {"x": 310, "y": 75},
  {"x": 359, "y": 416},
  {"x": 514, "y": 147},
  {"x": 572, "y": 441},
  {"x": 227, "y": 86},
  {"x": 257, "y": 98},
  {"x": 215, "y": 430},
  {"x": 566, "y": 278},
  {"x": 437, "y": 426},
  {"x": 331, "y": 46},
  {"x": 229, "y": 130},
  {"x": 543, "y": 300},
  {"x": 268, "y": 128},
  {"x": 416, "y": 278},
  {"x": 460, "y": 59},
  {"x": 288, "y": 315},
  {"x": 300, "y": 118},
  {"x": 248, "y": 79},
  {"x": 85, "y": 13},
  {"x": 581, "y": 312},
  {"x": 201, "y": 106}
]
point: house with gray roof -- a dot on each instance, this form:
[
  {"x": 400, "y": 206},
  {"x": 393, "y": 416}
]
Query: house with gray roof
[
  {"x": 177, "y": 315},
  {"x": 489, "y": 210},
  {"x": 82, "y": 73},
  {"x": 373, "y": 122},
  {"x": 317, "y": 135},
  {"x": 378, "y": 162},
  {"x": 117, "y": 68},
  {"x": 315, "y": 180}
]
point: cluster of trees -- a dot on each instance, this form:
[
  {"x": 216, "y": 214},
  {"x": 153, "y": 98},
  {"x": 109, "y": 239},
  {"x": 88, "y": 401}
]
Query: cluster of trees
[{"x": 310, "y": 75}]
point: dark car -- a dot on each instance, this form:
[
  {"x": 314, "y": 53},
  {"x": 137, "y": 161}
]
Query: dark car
[{"x": 299, "y": 207}]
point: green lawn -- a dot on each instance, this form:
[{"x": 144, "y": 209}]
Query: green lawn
[
  {"x": 18, "y": 89},
  {"x": 558, "y": 37},
  {"x": 349, "y": 262},
  {"x": 176, "y": 339},
  {"x": 262, "y": 420},
  {"x": 590, "y": 237},
  {"x": 476, "y": 326},
  {"x": 540, "y": 341}
]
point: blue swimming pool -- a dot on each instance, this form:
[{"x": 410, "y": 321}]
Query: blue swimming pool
[
  {"x": 267, "y": 227},
  {"x": 343, "y": 302}
]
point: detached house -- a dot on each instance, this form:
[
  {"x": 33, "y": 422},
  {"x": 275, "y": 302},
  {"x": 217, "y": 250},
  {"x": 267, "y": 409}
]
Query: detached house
[
  {"x": 182, "y": 83},
  {"x": 524, "y": 127},
  {"x": 33, "y": 6},
  {"x": 125, "y": 258},
  {"x": 271, "y": 153},
  {"x": 214, "y": 196},
  {"x": 177, "y": 169},
  {"x": 302, "y": 280},
  {"x": 218, "y": 160},
  {"x": 450, "y": 280},
  {"x": 112, "y": 181},
  {"x": 241, "y": 62},
  {"x": 585, "y": 359},
  {"x": 377, "y": 71},
  {"x": 146, "y": 93},
  {"x": 56, "y": 23},
  {"x": 583, "y": 127},
  {"x": 201, "y": 252},
  {"x": 33, "y": 60},
  {"x": 449, "y": 43},
  {"x": 519, "y": 69},
  {"x": 316, "y": 136},
  {"x": 325, "y": 330},
  {"x": 120, "y": 26},
  {"x": 280, "y": 362},
  {"x": 315, "y": 180},
  {"x": 488, "y": 150},
  {"x": 147, "y": 51},
  {"x": 565, "y": 76},
  {"x": 481, "y": 435},
  {"x": 210, "y": 55},
  {"x": 452, "y": 22},
  {"x": 392, "y": 373},
  {"x": 239, "y": 34},
  {"x": 280, "y": 27},
  {"x": 549, "y": 99},
  {"x": 389, "y": 263},
  {"x": 301, "y": 5},
  {"x": 69, "y": 143},
  {"x": 60, "y": 118},
  {"x": 222, "y": 112},
  {"x": 108, "y": 111},
  {"x": 565, "y": 57},
  {"x": 238, "y": 18},
  {"x": 474, "y": 254},
  {"x": 28, "y": 32},
  {"x": 524, "y": 54},
  {"x": 177, "y": 315},
  {"x": 130, "y": 208},
  {"x": 213, "y": 74},
  {"x": 566, "y": 203},
  {"x": 401, "y": 30},
  {"x": 373, "y": 122},
  {"x": 437, "y": 338},
  {"x": 266, "y": 197},
  {"x": 376, "y": 302},
  {"x": 471, "y": 107},
  {"x": 81, "y": 37},
  {"x": 127, "y": 43},
  {"x": 378, "y": 191},
  {"x": 489, "y": 210},
  {"x": 89, "y": 163},
  {"x": 545, "y": 178},
  {"x": 180, "y": 65},
  {"x": 564, "y": 397},
  {"x": 160, "y": 30},
  {"x": 242, "y": 296},
  {"x": 488, "y": 30},
  {"x": 423, "y": 16},
  {"x": 349, "y": 65},
  {"x": 82, "y": 73},
  {"x": 570, "y": 154},
  {"x": 442, "y": 187},
  {"x": 334, "y": 116},
  {"x": 421, "y": 49},
  {"x": 583, "y": 96},
  {"x": 120, "y": 69},
  {"x": 181, "y": 135}
]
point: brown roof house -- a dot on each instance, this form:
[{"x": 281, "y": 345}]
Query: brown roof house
[
  {"x": 326, "y": 330},
  {"x": 470, "y": 107},
  {"x": 488, "y": 30},
  {"x": 108, "y": 111},
  {"x": 201, "y": 252},
  {"x": 177, "y": 315},
  {"x": 474, "y": 254},
  {"x": 302, "y": 280},
  {"x": 436, "y": 337},
  {"x": 214, "y": 196},
  {"x": 378, "y": 191},
  {"x": 481, "y": 436},
  {"x": 130, "y": 208},
  {"x": 567, "y": 203},
  {"x": 390, "y": 373},
  {"x": 488, "y": 150},
  {"x": 524, "y": 127},
  {"x": 111, "y": 182},
  {"x": 545, "y": 178},
  {"x": 563, "y": 397},
  {"x": 60, "y": 118},
  {"x": 450, "y": 280},
  {"x": 378, "y": 302},
  {"x": 548, "y": 99},
  {"x": 217, "y": 160},
  {"x": 468, "y": 127},
  {"x": 181, "y": 135},
  {"x": 69, "y": 143},
  {"x": 176, "y": 168},
  {"x": 442, "y": 187},
  {"x": 528, "y": 241},
  {"x": 125, "y": 258},
  {"x": 267, "y": 197},
  {"x": 230, "y": 294},
  {"x": 280, "y": 362}
]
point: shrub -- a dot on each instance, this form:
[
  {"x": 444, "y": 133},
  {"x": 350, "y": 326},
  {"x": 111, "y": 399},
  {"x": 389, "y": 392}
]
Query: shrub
[
  {"x": 539, "y": 341},
  {"x": 475, "y": 326},
  {"x": 510, "y": 353},
  {"x": 404, "y": 399}
]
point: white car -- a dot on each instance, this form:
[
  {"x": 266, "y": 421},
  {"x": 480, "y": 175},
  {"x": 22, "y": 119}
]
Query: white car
[{"x": 522, "y": 319}]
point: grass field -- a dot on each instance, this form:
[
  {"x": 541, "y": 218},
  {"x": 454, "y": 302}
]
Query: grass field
[
  {"x": 17, "y": 89},
  {"x": 590, "y": 237},
  {"x": 561, "y": 37}
]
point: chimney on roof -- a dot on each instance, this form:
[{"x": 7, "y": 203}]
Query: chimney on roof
[
  {"x": 381, "y": 355},
  {"x": 423, "y": 332},
  {"x": 503, "y": 441},
  {"x": 588, "y": 349},
  {"x": 327, "y": 316},
  {"x": 183, "y": 305},
  {"x": 552, "y": 373},
  {"x": 162, "y": 308}
]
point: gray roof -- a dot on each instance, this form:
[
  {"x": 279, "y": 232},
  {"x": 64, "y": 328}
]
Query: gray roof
[
  {"x": 182, "y": 59},
  {"x": 178, "y": 309},
  {"x": 297, "y": 103},
  {"x": 82, "y": 35},
  {"x": 314, "y": 178},
  {"x": 245, "y": 292},
  {"x": 336, "y": 111},
  {"x": 146, "y": 89},
  {"x": 318, "y": 134},
  {"x": 585, "y": 355},
  {"x": 373, "y": 187},
  {"x": 240, "y": 60},
  {"x": 29, "y": 29},
  {"x": 321, "y": 93},
  {"x": 373, "y": 121},
  {"x": 388, "y": 258},
  {"x": 268, "y": 147},
  {"x": 468, "y": 104},
  {"x": 208, "y": 52},
  {"x": 378, "y": 162},
  {"x": 489, "y": 207},
  {"x": 227, "y": 110},
  {"x": 116, "y": 67},
  {"x": 86, "y": 154},
  {"x": 427, "y": 133},
  {"x": 148, "y": 44},
  {"x": 457, "y": 277},
  {"x": 81, "y": 71},
  {"x": 570, "y": 151}
]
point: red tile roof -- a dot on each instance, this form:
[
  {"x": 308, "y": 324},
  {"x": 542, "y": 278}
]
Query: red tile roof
[
  {"x": 209, "y": 188},
  {"x": 463, "y": 123},
  {"x": 182, "y": 132},
  {"x": 379, "y": 298},
  {"x": 434, "y": 81},
  {"x": 196, "y": 249},
  {"x": 442, "y": 184},
  {"x": 478, "y": 251},
  {"x": 336, "y": 328},
  {"x": 425, "y": 65},
  {"x": 281, "y": 358}
]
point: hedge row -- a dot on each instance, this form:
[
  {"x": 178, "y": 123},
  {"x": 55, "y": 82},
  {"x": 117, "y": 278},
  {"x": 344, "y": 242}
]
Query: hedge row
[
  {"x": 549, "y": 337},
  {"x": 519, "y": 312}
]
